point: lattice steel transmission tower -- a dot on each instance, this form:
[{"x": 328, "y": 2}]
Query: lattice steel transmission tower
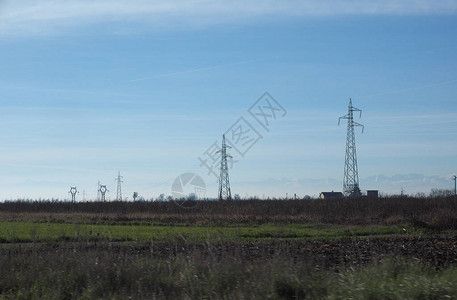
[
  {"x": 73, "y": 191},
  {"x": 98, "y": 190},
  {"x": 119, "y": 188},
  {"x": 103, "y": 191},
  {"x": 351, "y": 176},
  {"x": 224, "y": 184},
  {"x": 454, "y": 177}
]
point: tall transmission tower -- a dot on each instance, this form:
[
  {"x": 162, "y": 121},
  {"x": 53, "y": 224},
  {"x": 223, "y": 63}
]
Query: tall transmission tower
[
  {"x": 454, "y": 177},
  {"x": 103, "y": 191},
  {"x": 224, "y": 184},
  {"x": 119, "y": 190},
  {"x": 98, "y": 191},
  {"x": 351, "y": 176},
  {"x": 73, "y": 191}
]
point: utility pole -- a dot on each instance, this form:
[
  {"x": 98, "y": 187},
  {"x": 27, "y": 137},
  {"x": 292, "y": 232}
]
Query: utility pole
[
  {"x": 224, "y": 184},
  {"x": 119, "y": 191},
  {"x": 351, "y": 176},
  {"x": 73, "y": 191}
]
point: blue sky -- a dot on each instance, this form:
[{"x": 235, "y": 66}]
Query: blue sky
[{"x": 90, "y": 88}]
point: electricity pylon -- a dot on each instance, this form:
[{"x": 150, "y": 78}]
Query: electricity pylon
[
  {"x": 119, "y": 191},
  {"x": 98, "y": 191},
  {"x": 224, "y": 184},
  {"x": 351, "y": 176},
  {"x": 454, "y": 177},
  {"x": 73, "y": 191},
  {"x": 103, "y": 191}
]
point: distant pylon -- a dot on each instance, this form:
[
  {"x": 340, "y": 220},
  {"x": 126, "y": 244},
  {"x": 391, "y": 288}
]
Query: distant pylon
[
  {"x": 119, "y": 191},
  {"x": 103, "y": 191},
  {"x": 98, "y": 191},
  {"x": 454, "y": 177},
  {"x": 224, "y": 184},
  {"x": 351, "y": 176},
  {"x": 73, "y": 191}
]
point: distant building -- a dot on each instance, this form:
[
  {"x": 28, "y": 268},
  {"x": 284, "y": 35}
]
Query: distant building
[
  {"x": 372, "y": 194},
  {"x": 331, "y": 195}
]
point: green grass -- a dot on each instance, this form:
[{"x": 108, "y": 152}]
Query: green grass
[
  {"x": 396, "y": 279},
  {"x": 107, "y": 275},
  {"x": 26, "y": 231}
]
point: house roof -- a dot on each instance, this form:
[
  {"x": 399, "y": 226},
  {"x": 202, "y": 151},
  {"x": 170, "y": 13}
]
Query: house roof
[{"x": 332, "y": 194}]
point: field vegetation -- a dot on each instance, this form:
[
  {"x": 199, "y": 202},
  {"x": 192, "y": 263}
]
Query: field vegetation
[{"x": 389, "y": 248}]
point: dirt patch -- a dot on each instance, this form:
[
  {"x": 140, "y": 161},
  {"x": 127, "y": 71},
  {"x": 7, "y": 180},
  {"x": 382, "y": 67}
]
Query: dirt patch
[{"x": 321, "y": 254}]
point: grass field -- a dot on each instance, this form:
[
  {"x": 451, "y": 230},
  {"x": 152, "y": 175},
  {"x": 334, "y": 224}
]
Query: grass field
[
  {"x": 402, "y": 248},
  {"x": 28, "y": 231}
]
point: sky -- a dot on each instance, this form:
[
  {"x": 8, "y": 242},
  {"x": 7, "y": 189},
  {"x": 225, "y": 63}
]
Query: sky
[{"x": 92, "y": 88}]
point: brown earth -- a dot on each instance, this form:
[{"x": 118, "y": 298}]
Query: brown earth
[{"x": 321, "y": 254}]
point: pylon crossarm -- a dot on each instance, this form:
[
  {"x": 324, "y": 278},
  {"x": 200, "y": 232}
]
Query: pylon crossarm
[
  {"x": 360, "y": 125},
  {"x": 342, "y": 118}
]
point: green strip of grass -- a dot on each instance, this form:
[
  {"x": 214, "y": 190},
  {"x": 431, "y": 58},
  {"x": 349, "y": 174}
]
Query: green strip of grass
[{"x": 12, "y": 231}]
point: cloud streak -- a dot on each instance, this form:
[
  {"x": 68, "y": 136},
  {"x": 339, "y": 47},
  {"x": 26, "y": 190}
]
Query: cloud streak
[
  {"x": 196, "y": 70},
  {"x": 29, "y": 17},
  {"x": 398, "y": 91}
]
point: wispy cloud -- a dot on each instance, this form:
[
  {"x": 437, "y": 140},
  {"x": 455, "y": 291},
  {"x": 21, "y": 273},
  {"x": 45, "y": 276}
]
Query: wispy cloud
[
  {"x": 412, "y": 120},
  {"x": 398, "y": 91},
  {"x": 196, "y": 70},
  {"x": 27, "y": 17}
]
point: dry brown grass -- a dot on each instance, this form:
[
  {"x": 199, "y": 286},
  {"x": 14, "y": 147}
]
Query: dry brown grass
[{"x": 439, "y": 213}]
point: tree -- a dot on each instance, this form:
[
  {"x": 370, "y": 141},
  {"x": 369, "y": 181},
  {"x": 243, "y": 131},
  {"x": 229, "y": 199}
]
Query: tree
[{"x": 440, "y": 193}]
